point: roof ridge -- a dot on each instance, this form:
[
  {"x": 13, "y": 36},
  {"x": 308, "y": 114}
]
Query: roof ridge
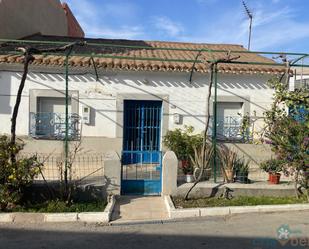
[
  {"x": 37, "y": 35},
  {"x": 196, "y": 43}
]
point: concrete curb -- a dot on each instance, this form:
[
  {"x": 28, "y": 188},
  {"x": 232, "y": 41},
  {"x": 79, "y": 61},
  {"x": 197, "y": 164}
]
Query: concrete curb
[
  {"x": 60, "y": 217},
  {"x": 101, "y": 217},
  {"x": 6, "y": 218},
  {"x": 89, "y": 217},
  {"x": 174, "y": 213},
  {"x": 110, "y": 207}
]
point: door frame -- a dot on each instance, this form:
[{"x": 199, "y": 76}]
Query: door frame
[
  {"x": 144, "y": 97},
  {"x": 154, "y": 185}
]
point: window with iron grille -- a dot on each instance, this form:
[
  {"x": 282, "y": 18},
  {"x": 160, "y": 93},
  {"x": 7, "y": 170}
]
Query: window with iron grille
[
  {"x": 302, "y": 83},
  {"x": 48, "y": 121},
  {"x": 229, "y": 121}
]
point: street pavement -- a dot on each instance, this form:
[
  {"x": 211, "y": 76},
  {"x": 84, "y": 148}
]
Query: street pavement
[{"x": 257, "y": 231}]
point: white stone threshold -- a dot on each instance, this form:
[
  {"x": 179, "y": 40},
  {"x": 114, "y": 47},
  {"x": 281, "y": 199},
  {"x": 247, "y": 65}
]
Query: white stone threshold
[
  {"x": 89, "y": 217},
  {"x": 175, "y": 213}
]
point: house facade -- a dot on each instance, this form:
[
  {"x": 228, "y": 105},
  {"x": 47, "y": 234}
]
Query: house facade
[{"x": 128, "y": 105}]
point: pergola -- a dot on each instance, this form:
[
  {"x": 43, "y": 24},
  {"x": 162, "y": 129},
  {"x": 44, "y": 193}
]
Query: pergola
[{"x": 65, "y": 49}]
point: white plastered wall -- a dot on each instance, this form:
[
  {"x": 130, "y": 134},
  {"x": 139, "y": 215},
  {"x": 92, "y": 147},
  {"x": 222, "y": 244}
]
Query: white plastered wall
[{"x": 185, "y": 98}]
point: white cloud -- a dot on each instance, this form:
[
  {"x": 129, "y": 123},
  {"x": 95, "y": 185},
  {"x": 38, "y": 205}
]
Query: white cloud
[
  {"x": 94, "y": 19},
  {"x": 289, "y": 31},
  {"x": 123, "y": 32},
  {"x": 167, "y": 26},
  {"x": 263, "y": 16},
  {"x": 271, "y": 29}
]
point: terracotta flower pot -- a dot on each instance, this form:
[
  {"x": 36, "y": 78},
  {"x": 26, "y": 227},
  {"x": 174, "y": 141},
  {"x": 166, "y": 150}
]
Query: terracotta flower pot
[
  {"x": 185, "y": 163},
  {"x": 274, "y": 178}
]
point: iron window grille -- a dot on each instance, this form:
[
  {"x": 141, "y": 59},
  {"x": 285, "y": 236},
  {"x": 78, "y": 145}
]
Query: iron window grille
[{"x": 52, "y": 125}]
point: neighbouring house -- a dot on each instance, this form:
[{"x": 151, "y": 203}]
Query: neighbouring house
[
  {"x": 19, "y": 18},
  {"x": 133, "y": 102},
  {"x": 300, "y": 79}
]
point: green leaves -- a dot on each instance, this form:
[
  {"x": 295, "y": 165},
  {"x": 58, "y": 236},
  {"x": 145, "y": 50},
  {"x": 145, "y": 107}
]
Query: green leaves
[
  {"x": 272, "y": 165},
  {"x": 183, "y": 142},
  {"x": 14, "y": 176},
  {"x": 288, "y": 137}
]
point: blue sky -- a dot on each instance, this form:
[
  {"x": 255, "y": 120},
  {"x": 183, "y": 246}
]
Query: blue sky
[{"x": 279, "y": 25}]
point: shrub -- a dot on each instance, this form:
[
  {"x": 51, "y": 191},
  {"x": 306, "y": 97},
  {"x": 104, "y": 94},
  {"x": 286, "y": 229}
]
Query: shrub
[
  {"x": 14, "y": 176},
  {"x": 272, "y": 166},
  {"x": 287, "y": 136},
  {"x": 242, "y": 166},
  {"x": 183, "y": 142},
  {"x": 228, "y": 158}
]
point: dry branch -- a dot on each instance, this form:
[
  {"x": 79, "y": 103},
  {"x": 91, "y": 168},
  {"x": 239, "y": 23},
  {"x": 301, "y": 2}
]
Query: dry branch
[{"x": 202, "y": 162}]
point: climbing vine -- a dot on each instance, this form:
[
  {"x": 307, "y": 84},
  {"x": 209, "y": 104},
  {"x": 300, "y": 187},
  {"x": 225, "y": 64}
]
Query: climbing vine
[{"x": 245, "y": 127}]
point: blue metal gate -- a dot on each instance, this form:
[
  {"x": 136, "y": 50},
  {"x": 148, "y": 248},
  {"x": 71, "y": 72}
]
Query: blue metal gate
[{"x": 141, "y": 156}]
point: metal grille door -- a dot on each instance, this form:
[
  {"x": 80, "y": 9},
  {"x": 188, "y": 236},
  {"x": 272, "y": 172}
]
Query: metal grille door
[{"x": 141, "y": 157}]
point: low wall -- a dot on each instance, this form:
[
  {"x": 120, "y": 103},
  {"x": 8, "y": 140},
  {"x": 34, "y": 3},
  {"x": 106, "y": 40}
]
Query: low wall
[
  {"x": 94, "y": 177},
  {"x": 256, "y": 153},
  {"x": 208, "y": 189}
]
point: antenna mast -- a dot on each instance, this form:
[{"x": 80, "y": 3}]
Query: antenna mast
[{"x": 250, "y": 16}]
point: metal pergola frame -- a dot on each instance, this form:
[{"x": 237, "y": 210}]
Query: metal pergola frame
[{"x": 214, "y": 70}]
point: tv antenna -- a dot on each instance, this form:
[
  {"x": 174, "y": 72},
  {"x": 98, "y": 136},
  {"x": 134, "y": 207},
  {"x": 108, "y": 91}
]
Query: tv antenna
[{"x": 250, "y": 16}]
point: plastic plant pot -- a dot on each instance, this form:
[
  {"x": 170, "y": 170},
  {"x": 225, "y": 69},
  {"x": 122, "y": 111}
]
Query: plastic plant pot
[{"x": 241, "y": 177}]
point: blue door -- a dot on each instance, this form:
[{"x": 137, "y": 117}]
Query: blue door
[{"x": 141, "y": 156}]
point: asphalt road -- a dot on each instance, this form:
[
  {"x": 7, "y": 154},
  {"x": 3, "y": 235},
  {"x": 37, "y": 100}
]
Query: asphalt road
[{"x": 258, "y": 231}]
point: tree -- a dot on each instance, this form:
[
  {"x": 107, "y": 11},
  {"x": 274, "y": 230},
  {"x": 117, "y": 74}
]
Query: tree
[{"x": 289, "y": 138}]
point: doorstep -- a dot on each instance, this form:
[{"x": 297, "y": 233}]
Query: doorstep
[{"x": 136, "y": 209}]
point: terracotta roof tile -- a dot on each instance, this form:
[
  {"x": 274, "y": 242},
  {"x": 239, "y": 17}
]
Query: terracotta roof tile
[{"x": 149, "y": 65}]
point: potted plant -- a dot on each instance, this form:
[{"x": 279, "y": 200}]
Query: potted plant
[
  {"x": 273, "y": 167},
  {"x": 228, "y": 160},
  {"x": 187, "y": 169},
  {"x": 242, "y": 170},
  {"x": 182, "y": 142},
  {"x": 202, "y": 171}
]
